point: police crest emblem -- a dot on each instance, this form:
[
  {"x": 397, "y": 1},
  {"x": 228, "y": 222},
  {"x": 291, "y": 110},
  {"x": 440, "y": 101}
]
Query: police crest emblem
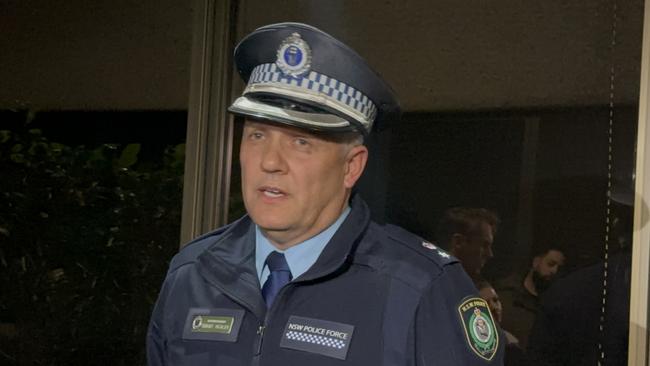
[
  {"x": 480, "y": 329},
  {"x": 294, "y": 56}
]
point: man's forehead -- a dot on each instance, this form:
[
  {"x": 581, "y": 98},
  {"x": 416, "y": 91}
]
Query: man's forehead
[
  {"x": 482, "y": 228},
  {"x": 262, "y": 124},
  {"x": 336, "y": 137},
  {"x": 552, "y": 255},
  {"x": 555, "y": 255}
]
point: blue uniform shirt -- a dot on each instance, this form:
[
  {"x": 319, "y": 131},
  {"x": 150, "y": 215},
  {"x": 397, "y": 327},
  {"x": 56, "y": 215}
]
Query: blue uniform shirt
[{"x": 300, "y": 257}]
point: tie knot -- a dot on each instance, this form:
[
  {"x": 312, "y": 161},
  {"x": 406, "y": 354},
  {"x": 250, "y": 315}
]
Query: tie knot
[{"x": 277, "y": 262}]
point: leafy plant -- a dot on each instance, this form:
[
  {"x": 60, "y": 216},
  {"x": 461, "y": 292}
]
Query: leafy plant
[{"x": 85, "y": 238}]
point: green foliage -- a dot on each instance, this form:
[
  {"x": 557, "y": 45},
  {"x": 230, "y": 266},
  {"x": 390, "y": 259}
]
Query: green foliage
[
  {"x": 85, "y": 239},
  {"x": 129, "y": 156}
]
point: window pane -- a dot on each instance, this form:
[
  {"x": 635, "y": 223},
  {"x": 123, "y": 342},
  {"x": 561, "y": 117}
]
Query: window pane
[
  {"x": 90, "y": 216},
  {"x": 92, "y": 128},
  {"x": 529, "y": 110}
]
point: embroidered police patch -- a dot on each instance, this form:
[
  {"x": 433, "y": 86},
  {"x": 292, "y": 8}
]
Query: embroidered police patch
[
  {"x": 317, "y": 336},
  {"x": 480, "y": 330}
]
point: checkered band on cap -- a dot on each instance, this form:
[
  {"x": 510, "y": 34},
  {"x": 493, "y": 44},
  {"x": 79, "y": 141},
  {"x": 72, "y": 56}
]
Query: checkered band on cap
[
  {"x": 316, "y": 88},
  {"x": 315, "y": 339}
]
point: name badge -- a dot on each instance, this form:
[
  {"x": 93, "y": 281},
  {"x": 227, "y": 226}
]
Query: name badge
[
  {"x": 204, "y": 324},
  {"x": 317, "y": 336}
]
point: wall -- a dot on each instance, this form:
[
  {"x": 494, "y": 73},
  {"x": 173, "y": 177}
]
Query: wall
[{"x": 445, "y": 55}]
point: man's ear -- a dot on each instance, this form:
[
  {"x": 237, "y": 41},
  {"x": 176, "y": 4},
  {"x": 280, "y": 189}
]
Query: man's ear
[
  {"x": 536, "y": 261},
  {"x": 356, "y": 160}
]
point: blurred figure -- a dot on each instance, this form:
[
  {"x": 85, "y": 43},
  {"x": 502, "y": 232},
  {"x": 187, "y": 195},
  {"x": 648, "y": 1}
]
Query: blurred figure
[
  {"x": 519, "y": 294},
  {"x": 582, "y": 322},
  {"x": 514, "y": 355},
  {"x": 543, "y": 271},
  {"x": 489, "y": 294},
  {"x": 467, "y": 234},
  {"x": 567, "y": 329}
]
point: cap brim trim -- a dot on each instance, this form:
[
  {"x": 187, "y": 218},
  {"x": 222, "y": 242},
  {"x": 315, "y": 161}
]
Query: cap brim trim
[
  {"x": 314, "y": 121},
  {"x": 316, "y": 89}
]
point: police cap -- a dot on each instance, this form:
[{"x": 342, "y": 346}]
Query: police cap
[{"x": 299, "y": 75}]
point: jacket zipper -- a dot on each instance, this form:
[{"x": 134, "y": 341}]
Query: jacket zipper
[
  {"x": 260, "y": 337},
  {"x": 262, "y": 327}
]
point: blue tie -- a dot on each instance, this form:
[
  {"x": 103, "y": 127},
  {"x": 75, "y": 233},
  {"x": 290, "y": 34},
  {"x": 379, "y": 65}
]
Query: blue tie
[{"x": 280, "y": 275}]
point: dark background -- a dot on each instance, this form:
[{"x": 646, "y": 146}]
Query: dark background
[{"x": 95, "y": 96}]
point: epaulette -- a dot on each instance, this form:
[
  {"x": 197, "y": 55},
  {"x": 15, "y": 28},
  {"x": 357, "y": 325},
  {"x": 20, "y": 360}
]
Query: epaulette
[
  {"x": 190, "y": 251},
  {"x": 420, "y": 246},
  {"x": 214, "y": 232}
]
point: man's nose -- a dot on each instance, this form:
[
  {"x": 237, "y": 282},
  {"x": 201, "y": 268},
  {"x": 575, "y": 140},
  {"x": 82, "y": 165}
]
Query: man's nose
[
  {"x": 489, "y": 252},
  {"x": 273, "y": 160}
]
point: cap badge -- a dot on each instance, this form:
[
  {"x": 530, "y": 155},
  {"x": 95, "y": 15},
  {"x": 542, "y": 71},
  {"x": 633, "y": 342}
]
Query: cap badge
[{"x": 294, "y": 56}]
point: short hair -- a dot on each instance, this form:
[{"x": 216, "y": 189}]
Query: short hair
[
  {"x": 543, "y": 251},
  {"x": 464, "y": 220},
  {"x": 349, "y": 137}
]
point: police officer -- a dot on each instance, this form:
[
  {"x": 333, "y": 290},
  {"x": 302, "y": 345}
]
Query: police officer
[{"x": 306, "y": 278}]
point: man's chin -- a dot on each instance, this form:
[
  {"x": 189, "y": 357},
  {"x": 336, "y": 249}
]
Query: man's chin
[
  {"x": 271, "y": 228},
  {"x": 269, "y": 216}
]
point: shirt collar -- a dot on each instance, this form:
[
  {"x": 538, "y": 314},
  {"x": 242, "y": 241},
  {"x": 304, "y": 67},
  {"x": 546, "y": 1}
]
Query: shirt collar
[{"x": 300, "y": 257}]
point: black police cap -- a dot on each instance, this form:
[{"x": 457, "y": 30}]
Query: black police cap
[{"x": 299, "y": 75}]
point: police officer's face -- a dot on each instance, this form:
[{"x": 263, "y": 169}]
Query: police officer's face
[{"x": 295, "y": 183}]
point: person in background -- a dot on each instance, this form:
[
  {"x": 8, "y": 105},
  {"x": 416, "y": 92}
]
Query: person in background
[
  {"x": 520, "y": 294},
  {"x": 514, "y": 354},
  {"x": 468, "y": 234},
  {"x": 584, "y": 317}
]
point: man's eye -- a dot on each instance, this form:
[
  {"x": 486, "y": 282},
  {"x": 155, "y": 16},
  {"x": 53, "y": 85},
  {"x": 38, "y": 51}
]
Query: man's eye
[
  {"x": 256, "y": 135},
  {"x": 301, "y": 141}
]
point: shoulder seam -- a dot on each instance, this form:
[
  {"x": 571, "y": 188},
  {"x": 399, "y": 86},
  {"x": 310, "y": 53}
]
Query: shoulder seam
[{"x": 200, "y": 238}]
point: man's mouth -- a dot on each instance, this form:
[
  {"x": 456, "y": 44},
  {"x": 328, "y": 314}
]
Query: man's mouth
[{"x": 272, "y": 192}]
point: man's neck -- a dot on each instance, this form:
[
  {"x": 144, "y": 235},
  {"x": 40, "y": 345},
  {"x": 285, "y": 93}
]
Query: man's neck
[
  {"x": 284, "y": 240},
  {"x": 529, "y": 285}
]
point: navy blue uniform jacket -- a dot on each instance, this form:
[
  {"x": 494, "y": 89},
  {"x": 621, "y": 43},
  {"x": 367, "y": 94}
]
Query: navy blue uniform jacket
[{"x": 377, "y": 295}]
